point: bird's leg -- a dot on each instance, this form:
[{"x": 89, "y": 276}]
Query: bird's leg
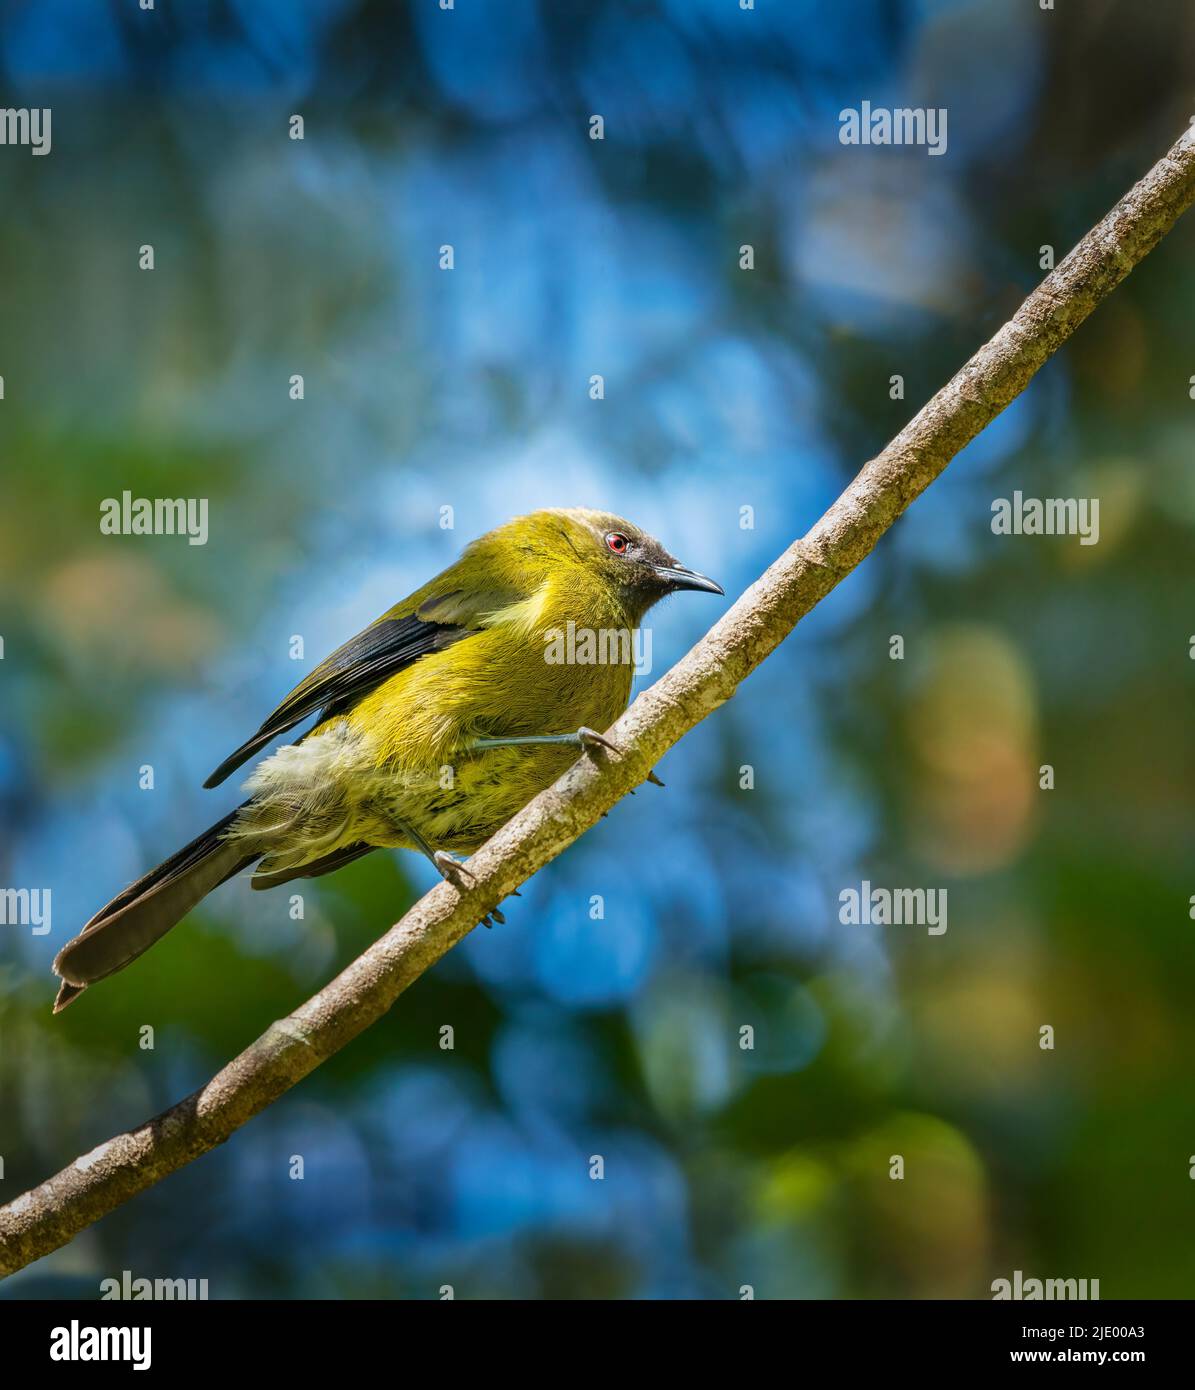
[
  {"x": 588, "y": 739},
  {"x": 583, "y": 738},
  {"x": 453, "y": 871}
]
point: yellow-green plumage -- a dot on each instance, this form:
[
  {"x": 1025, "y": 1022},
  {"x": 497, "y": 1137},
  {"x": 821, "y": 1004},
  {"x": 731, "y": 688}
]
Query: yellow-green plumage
[{"x": 394, "y": 759}]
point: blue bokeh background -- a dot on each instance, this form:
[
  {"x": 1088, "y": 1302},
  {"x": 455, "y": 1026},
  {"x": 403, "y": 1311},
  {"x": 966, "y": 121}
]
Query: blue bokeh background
[{"x": 725, "y": 389}]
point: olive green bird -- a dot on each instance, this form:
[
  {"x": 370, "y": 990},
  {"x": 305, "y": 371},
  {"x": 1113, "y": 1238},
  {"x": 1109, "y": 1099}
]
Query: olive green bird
[{"x": 435, "y": 725}]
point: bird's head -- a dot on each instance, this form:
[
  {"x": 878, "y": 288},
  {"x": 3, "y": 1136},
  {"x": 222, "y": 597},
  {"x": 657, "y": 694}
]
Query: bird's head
[{"x": 622, "y": 557}]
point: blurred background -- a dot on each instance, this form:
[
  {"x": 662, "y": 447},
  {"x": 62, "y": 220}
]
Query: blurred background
[{"x": 725, "y": 389}]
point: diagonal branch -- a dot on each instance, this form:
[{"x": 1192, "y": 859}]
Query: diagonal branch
[{"x": 50, "y": 1215}]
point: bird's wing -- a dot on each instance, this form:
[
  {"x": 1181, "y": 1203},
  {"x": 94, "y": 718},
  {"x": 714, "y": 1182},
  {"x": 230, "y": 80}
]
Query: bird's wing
[{"x": 365, "y": 661}]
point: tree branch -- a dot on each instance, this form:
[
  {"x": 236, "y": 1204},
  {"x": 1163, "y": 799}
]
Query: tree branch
[{"x": 50, "y": 1215}]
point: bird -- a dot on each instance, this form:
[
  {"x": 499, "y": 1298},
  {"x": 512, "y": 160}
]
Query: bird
[{"x": 435, "y": 724}]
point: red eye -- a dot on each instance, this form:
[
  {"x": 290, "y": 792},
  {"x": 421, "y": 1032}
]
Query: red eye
[{"x": 617, "y": 542}]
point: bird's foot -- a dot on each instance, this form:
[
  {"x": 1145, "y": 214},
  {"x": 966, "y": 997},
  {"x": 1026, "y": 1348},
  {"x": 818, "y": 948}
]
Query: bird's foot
[
  {"x": 453, "y": 871},
  {"x": 591, "y": 741},
  {"x": 462, "y": 879}
]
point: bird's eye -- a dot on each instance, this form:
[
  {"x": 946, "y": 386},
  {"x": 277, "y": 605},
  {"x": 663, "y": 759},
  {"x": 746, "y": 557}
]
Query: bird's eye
[{"x": 617, "y": 542}]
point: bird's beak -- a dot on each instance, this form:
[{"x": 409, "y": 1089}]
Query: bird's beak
[{"x": 678, "y": 577}]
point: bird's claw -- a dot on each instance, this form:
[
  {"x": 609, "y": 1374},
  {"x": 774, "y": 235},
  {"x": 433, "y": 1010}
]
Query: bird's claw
[
  {"x": 591, "y": 740},
  {"x": 453, "y": 871},
  {"x": 492, "y": 916}
]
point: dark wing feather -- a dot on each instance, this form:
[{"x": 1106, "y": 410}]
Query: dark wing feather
[{"x": 365, "y": 661}]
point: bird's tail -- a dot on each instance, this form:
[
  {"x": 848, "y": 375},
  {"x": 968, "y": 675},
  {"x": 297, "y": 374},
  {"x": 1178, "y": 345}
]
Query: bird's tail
[{"x": 145, "y": 911}]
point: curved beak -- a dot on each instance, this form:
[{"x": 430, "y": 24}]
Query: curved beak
[{"x": 678, "y": 577}]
